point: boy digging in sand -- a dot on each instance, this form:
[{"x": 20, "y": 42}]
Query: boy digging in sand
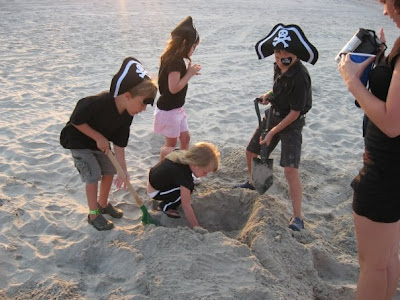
[
  {"x": 98, "y": 120},
  {"x": 290, "y": 100}
]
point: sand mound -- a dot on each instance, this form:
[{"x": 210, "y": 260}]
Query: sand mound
[{"x": 53, "y": 54}]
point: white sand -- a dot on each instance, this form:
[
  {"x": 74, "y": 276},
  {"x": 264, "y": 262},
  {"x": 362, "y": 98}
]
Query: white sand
[{"x": 52, "y": 53}]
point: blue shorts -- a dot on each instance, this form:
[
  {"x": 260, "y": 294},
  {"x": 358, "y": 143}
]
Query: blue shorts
[{"x": 92, "y": 164}]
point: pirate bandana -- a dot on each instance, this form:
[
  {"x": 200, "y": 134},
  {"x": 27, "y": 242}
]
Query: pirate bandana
[
  {"x": 289, "y": 38},
  {"x": 129, "y": 75},
  {"x": 186, "y": 30}
]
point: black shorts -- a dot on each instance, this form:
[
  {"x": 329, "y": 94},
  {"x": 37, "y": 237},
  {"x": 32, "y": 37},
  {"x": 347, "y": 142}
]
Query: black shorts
[
  {"x": 169, "y": 199},
  {"x": 291, "y": 138},
  {"x": 377, "y": 197}
]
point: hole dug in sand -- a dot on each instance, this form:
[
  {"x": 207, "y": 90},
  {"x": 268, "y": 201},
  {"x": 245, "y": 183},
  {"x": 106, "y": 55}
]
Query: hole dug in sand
[{"x": 223, "y": 210}]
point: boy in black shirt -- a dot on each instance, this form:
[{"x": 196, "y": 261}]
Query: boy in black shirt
[
  {"x": 98, "y": 120},
  {"x": 290, "y": 100}
]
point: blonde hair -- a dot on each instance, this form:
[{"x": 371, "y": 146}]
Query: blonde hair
[
  {"x": 201, "y": 154},
  {"x": 147, "y": 88}
]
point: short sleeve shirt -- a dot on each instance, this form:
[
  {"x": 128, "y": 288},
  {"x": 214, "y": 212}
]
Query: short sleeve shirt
[
  {"x": 292, "y": 90},
  {"x": 167, "y": 100},
  {"x": 167, "y": 175},
  {"x": 99, "y": 112}
]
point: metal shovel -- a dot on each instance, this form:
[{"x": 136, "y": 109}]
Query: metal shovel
[{"x": 262, "y": 168}]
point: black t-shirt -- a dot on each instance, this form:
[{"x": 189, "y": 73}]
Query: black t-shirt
[
  {"x": 99, "y": 112},
  {"x": 292, "y": 90},
  {"x": 167, "y": 100},
  {"x": 167, "y": 175}
]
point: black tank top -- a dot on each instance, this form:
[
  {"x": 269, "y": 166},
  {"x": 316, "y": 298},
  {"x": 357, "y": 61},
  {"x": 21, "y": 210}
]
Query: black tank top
[{"x": 381, "y": 151}]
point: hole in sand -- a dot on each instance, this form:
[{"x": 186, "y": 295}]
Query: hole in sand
[{"x": 223, "y": 210}]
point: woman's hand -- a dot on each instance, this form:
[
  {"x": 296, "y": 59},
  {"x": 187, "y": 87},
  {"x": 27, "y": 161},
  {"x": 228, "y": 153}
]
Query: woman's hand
[
  {"x": 351, "y": 71},
  {"x": 382, "y": 36}
]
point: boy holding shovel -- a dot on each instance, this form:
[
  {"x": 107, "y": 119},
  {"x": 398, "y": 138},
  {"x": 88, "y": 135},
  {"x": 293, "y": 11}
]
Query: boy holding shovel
[
  {"x": 290, "y": 100},
  {"x": 98, "y": 120}
]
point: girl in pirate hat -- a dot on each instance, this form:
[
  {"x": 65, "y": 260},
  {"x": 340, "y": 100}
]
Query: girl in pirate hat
[
  {"x": 98, "y": 120},
  {"x": 169, "y": 116}
]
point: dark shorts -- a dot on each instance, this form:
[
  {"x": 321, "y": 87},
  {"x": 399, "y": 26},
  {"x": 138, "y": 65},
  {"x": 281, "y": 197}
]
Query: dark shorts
[
  {"x": 92, "y": 164},
  {"x": 377, "y": 197},
  {"x": 291, "y": 139},
  {"x": 169, "y": 199}
]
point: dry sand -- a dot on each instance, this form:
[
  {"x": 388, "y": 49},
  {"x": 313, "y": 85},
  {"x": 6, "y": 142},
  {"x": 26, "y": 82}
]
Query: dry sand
[{"x": 53, "y": 53}]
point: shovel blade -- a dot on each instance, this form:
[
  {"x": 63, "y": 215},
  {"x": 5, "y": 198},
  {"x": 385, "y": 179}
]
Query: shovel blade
[
  {"x": 146, "y": 217},
  {"x": 262, "y": 174}
]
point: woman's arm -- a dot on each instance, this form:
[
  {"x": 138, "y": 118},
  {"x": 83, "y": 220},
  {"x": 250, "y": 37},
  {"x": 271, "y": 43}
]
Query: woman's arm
[
  {"x": 385, "y": 115},
  {"x": 101, "y": 142},
  {"x": 187, "y": 207}
]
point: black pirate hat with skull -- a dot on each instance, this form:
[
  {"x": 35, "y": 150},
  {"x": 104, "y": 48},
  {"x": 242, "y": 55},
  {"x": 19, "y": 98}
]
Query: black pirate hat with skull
[
  {"x": 129, "y": 75},
  {"x": 289, "y": 38},
  {"x": 186, "y": 30}
]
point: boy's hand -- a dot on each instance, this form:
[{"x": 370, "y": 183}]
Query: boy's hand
[
  {"x": 119, "y": 182},
  {"x": 264, "y": 99},
  {"x": 103, "y": 144},
  {"x": 267, "y": 139}
]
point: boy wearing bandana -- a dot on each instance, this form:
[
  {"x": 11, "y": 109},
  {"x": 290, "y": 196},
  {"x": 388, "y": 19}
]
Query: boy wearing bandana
[
  {"x": 98, "y": 120},
  {"x": 290, "y": 100}
]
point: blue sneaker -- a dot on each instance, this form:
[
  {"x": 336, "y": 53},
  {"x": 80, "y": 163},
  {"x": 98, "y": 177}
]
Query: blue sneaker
[
  {"x": 296, "y": 224},
  {"x": 246, "y": 185}
]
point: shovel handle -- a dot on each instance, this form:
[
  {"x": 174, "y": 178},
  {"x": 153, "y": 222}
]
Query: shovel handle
[
  {"x": 122, "y": 174},
  {"x": 263, "y": 131}
]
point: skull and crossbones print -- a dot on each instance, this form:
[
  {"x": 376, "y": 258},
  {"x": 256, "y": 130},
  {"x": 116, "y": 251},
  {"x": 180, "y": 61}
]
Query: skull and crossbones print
[
  {"x": 283, "y": 37},
  {"x": 141, "y": 71}
]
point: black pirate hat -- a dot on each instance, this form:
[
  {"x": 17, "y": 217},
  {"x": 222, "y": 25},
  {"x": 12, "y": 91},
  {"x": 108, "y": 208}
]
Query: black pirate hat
[
  {"x": 289, "y": 38},
  {"x": 129, "y": 75},
  {"x": 186, "y": 30}
]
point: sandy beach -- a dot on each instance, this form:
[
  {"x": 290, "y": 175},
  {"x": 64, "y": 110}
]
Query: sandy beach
[{"x": 53, "y": 53}]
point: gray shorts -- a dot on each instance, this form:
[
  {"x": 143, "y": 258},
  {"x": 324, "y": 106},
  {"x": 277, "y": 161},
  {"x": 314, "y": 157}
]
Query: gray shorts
[
  {"x": 291, "y": 139},
  {"x": 92, "y": 164}
]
